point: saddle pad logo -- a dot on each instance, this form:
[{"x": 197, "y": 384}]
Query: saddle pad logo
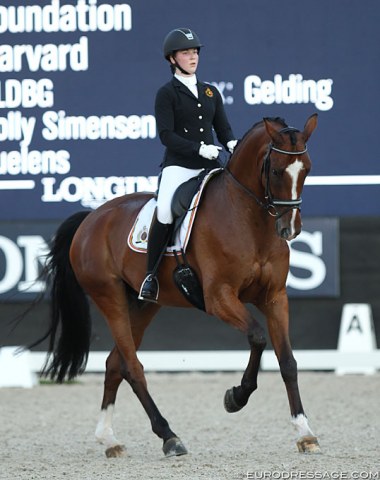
[{"x": 142, "y": 235}]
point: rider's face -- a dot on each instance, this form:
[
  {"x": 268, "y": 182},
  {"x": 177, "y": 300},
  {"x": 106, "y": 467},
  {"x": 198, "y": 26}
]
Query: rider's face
[{"x": 187, "y": 59}]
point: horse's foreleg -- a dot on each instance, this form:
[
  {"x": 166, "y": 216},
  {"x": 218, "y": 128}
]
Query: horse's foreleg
[
  {"x": 237, "y": 397},
  {"x": 277, "y": 313},
  {"x": 228, "y": 307}
]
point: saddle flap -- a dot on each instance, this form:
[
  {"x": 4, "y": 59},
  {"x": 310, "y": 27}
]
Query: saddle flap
[
  {"x": 138, "y": 235},
  {"x": 184, "y": 194}
]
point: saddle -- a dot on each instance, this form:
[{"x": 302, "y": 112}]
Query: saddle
[
  {"x": 182, "y": 200},
  {"x": 184, "y": 276},
  {"x": 184, "y": 207}
]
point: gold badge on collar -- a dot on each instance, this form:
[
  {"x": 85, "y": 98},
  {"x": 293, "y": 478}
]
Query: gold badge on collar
[{"x": 209, "y": 92}]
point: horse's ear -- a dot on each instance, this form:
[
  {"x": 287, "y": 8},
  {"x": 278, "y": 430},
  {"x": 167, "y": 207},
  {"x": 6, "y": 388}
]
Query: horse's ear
[
  {"x": 272, "y": 132},
  {"x": 309, "y": 127}
]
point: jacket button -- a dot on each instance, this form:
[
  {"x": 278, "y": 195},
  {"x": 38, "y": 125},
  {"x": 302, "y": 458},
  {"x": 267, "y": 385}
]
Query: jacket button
[
  {"x": 202, "y": 142},
  {"x": 199, "y": 104},
  {"x": 201, "y": 129},
  {"x": 200, "y": 117}
]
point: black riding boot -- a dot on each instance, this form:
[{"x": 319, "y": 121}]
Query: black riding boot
[{"x": 158, "y": 239}]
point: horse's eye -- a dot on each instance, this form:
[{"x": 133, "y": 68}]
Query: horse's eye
[{"x": 275, "y": 172}]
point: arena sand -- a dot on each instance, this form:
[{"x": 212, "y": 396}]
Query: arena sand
[{"x": 47, "y": 432}]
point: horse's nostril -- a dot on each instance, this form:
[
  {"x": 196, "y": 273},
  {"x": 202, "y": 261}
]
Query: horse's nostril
[{"x": 285, "y": 233}]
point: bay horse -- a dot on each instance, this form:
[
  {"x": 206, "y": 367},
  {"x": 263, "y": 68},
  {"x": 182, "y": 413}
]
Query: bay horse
[{"x": 238, "y": 249}]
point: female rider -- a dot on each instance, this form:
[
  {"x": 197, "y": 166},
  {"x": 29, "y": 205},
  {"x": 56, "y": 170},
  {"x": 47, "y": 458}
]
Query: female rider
[{"x": 186, "y": 110}]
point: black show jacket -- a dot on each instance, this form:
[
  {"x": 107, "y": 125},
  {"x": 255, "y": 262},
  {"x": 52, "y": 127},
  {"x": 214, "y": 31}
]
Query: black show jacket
[{"x": 185, "y": 122}]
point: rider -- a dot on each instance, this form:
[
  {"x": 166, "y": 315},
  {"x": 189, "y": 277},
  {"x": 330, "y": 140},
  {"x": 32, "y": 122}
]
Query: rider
[{"x": 186, "y": 111}]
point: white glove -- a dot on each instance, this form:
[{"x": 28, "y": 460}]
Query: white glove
[
  {"x": 231, "y": 145},
  {"x": 211, "y": 152}
]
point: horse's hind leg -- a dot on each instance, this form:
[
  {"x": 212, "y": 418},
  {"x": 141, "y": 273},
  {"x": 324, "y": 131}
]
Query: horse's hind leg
[
  {"x": 127, "y": 324},
  {"x": 278, "y": 320},
  {"x": 104, "y": 430}
]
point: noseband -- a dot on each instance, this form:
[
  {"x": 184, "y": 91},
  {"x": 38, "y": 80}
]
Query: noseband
[{"x": 270, "y": 202}]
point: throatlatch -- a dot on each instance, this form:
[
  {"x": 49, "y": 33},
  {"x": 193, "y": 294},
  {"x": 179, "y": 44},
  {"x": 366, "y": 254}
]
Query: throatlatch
[{"x": 187, "y": 282}]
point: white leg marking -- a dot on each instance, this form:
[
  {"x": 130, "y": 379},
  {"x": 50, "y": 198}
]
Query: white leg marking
[
  {"x": 301, "y": 424},
  {"x": 104, "y": 431},
  {"x": 294, "y": 171}
]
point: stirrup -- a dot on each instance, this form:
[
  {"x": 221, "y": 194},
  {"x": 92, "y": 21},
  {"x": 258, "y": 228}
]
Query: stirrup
[{"x": 149, "y": 289}]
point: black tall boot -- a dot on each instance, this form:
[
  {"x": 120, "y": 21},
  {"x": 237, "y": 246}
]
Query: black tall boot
[{"x": 158, "y": 239}]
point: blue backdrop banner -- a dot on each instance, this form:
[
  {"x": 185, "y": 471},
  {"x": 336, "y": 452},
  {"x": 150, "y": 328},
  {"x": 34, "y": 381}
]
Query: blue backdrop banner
[{"x": 78, "y": 80}]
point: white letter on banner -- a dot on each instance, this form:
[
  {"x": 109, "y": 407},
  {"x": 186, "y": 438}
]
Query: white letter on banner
[
  {"x": 307, "y": 261},
  {"x": 13, "y": 264},
  {"x": 36, "y": 250}
]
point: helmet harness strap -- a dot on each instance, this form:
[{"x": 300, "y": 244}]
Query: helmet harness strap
[{"x": 177, "y": 65}]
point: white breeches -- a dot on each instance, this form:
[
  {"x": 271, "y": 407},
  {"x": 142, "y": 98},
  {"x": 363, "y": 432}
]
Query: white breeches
[{"x": 171, "y": 178}]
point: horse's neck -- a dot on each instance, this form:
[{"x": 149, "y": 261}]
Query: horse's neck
[
  {"x": 246, "y": 164},
  {"x": 243, "y": 217}
]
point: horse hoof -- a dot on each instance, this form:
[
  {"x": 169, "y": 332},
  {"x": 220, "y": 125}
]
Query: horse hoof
[
  {"x": 116, "y": 451},
  {"x": 229, "y": 402},
  {"x": 174, "y": 447},
  {"x": 308, "y": 444}
]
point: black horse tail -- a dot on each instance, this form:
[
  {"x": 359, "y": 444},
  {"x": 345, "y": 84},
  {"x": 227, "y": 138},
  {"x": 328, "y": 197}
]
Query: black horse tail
[{"x": 70, "y": 311}]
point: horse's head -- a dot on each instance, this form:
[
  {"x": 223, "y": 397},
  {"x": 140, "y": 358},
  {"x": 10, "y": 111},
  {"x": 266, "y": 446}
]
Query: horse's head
[{"x": 284, "y": 169}]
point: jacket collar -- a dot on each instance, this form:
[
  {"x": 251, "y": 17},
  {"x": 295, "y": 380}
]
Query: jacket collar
[{"x": 200, "y": 85}]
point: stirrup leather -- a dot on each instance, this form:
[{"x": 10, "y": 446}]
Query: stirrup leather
[{"x": 149, "y": 289}]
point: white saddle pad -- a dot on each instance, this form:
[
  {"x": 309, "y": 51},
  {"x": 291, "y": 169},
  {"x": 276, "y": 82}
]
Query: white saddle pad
[{"x": 138, "y": 236}]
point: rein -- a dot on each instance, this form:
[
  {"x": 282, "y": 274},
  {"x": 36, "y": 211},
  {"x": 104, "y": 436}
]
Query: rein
[{"x": 271, "y": 202}]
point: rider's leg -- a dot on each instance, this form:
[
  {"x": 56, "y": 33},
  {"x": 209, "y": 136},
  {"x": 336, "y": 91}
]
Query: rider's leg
[
  {"x": 157, "y": 242},
  {"x": 172, "y": 177}
]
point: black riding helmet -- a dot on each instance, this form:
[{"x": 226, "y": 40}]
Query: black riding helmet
[{"x": 180, "y": 39}]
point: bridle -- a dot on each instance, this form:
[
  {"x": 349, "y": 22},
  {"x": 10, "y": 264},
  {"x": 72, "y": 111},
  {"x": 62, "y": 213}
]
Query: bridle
[{"x": 271, "y": 203}]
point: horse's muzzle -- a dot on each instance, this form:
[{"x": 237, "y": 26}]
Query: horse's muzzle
[
  {"x": 288, "y": 228},
  {"x": 286, "y": 234}
]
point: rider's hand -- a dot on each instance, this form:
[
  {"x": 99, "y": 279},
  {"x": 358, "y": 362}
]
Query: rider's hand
[
  {"x": 211, "y": 152},
  {"x": 231, "y": 145}
]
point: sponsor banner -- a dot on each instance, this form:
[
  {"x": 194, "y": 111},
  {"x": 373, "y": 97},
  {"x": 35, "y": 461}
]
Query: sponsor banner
[
  {"x": 78, "y": 80},
  {"x": 314, "y": 259},
  {"x": 23, "y": 250}
]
